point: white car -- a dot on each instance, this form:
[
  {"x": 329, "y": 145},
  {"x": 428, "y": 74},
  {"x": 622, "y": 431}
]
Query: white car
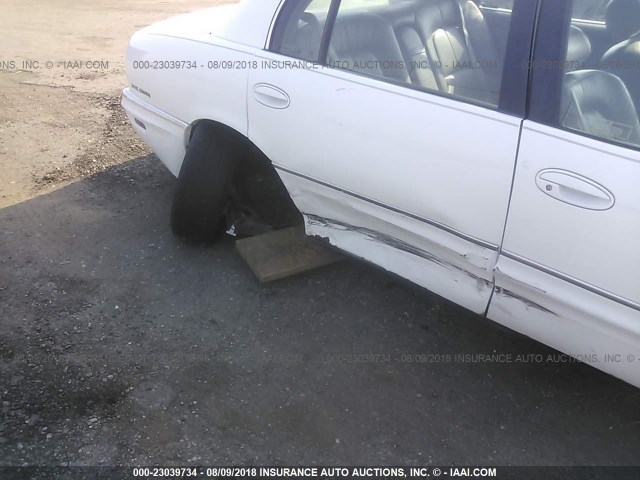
[{"x": 487, "y": 150}]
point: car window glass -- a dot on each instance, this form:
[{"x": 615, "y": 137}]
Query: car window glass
[
  {"x": 601, "y": 96},
  {"x": 298, "y": 32},
  {"x": 592, "y": 10},
  {"x": 451, "y": 47},
  {"x": 506, "y": 4}
]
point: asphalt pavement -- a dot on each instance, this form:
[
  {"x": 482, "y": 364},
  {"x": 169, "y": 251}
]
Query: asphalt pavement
[{"x": 120, "y": 344}]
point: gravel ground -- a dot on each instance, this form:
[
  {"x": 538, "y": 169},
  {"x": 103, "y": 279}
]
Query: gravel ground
[{"x": 61, "y": 74}]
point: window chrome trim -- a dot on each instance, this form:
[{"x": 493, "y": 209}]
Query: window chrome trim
[{"x": 272, "y": 26}]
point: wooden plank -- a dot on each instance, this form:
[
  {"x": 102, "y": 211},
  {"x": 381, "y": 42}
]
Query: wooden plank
[{"x": 283, "y": 253}]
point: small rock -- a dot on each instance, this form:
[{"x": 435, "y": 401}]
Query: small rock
[
  {"x": 33, "y": 419},
  {"x": 93, "y": 420}
]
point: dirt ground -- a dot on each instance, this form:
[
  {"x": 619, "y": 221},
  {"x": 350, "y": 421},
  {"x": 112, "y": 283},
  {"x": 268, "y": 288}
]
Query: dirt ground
[
  {"x": 119, "y": 344},
  {"x": 59, "y": 118}
]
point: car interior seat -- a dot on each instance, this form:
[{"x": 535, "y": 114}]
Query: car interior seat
[
  {"x": 578, "y": 48},
  {"x": 418, "y": 63},
  {"x": 447, "y": 43},
  {"x": 598, "y": 103},
  {"x": 480, "y": 37},
  {"x": 623, "y": 59},
  {"x": 367, "y": 43},
  {"x": 303, "y": 39},
  {"x": 594, "y": 101}
]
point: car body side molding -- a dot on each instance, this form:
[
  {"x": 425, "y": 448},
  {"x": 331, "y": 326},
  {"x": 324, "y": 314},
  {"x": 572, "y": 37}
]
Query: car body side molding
[
  {"x": 433, "y": 223},
  {"x": 574, "y": 281}
]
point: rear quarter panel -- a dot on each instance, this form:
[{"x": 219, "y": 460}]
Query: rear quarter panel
[{"x": 214, "y": 87}]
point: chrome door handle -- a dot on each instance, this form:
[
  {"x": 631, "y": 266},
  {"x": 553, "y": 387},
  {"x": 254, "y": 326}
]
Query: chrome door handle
[
  {"x": 271, "y": 96},
  {"x": 574, "y": 189}
]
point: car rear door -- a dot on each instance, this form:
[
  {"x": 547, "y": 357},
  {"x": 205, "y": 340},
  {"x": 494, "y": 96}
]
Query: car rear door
[
  {"x": 568, "y": 273},
  {"x": 384, "y": 163}
]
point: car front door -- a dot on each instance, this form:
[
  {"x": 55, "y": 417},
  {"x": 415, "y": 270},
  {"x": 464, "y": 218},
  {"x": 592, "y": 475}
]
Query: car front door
[
  {"x": 395, "y": 141},
  {"x": 569, "y": 270}
]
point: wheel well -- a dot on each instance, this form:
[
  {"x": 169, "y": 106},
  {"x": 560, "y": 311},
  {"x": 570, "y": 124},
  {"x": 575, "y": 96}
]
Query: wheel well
[
  {"x": 247, "y": 151},
  {"x": 256, "y": 183}
]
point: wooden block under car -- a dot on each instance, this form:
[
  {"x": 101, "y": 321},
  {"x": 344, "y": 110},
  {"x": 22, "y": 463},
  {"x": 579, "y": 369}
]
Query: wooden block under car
[{"x": 283, "y": 253}]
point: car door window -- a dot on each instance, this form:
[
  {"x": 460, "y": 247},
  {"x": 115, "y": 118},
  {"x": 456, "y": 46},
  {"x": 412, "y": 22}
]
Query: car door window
[
  {"x": 298, "y": 32},
  {"x": 441, "y": 46},
  {"x": 444, "y": 46},
  {"x": 601, "y": 98},
  {"x": 592, "y": 10}
]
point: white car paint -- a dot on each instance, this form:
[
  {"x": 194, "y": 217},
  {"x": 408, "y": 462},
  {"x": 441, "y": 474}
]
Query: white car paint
[
  {"x": 438, "y": 194},
  {"x": 433, "y": 211},
  {"x": 563, "y": 258},
  {"x": 237, "y": 31},
  {"x": 245, "y": 23}
]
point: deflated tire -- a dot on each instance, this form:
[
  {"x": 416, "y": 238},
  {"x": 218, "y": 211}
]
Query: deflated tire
[{"x": 204, "y": 185}]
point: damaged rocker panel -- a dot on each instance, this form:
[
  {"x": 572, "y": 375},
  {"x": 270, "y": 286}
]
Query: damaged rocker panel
[
  {"x": 503, "y": 292},
  {"x": 394, "y": 243}
]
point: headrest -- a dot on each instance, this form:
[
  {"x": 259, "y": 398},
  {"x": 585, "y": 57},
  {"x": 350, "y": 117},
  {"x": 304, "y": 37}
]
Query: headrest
[
  {"x": 579, "y": 46},
  {"x": 623, "y": 19},
  {"x": 410, "y": 41},
  {"x": 431, "y": 16},
  {"x": 359, "y": 32}
]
